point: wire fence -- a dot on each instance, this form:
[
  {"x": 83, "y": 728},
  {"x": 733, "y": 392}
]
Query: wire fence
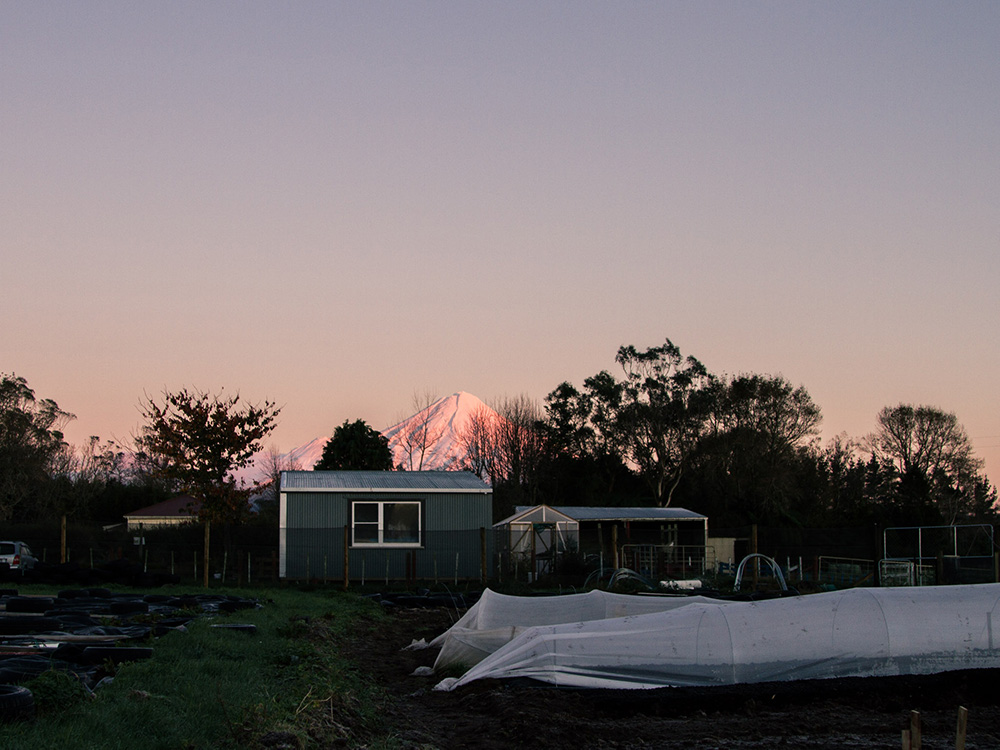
[{"x": 231, "y": 556}]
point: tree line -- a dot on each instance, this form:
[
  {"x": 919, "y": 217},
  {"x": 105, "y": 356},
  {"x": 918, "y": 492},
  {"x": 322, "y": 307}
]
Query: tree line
[
  {"x": 190, "y": 443},
  {"x": 662, "y": 431},
  {"x": 740, "y": 449}
]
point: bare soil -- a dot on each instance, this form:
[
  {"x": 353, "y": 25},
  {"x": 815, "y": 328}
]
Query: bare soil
[{"x": 846, "y": 713}]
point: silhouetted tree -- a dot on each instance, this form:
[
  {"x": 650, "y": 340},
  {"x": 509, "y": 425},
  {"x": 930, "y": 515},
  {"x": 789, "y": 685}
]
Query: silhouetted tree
[
  {"x": 31, "y": 446},
  {"x": 933, "y": 460},
  {"x": 664, "y": 408},
  {"x": 754, "y": 451},
  {"x": 356, "y": 446},
  {"x": 195, "y": 441}
]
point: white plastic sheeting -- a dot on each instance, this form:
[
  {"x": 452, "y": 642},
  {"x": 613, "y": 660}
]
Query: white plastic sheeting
[
  {"x": 852, "y": 633},
  {"x": 496, "y": 619}
]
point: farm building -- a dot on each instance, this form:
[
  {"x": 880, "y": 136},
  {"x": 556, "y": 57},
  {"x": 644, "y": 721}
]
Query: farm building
[
  {"x": 173, "y": 512},
  {"x": 656, "y": 542},
  {"x": 382, "y": 525}
]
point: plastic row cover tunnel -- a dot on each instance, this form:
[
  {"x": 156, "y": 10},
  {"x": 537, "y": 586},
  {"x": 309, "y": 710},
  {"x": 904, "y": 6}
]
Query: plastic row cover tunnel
[
  {"x": 496, "y": 619},
  {"x": 853, "y": 633}
]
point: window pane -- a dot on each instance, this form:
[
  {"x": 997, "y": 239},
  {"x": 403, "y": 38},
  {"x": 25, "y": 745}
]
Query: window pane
[
  {"x": 365, "y": 512},
  {"x": 402, "y": 522},
  {"x": 366, "y": 533}
]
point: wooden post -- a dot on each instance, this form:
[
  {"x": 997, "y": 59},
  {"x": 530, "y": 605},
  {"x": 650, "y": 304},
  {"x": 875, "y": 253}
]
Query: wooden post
[
  {"x": 907, "y": 745},
  {"x": 756, "y": 560},
  {"x": 62, "y": 541},
  {"x": 347, "y": 557},
  {"x": 482, "y": 553},
  {"x": 915, "y": 739},
  {"x": 614, "y": 545},
  {"x": 208, "y": 537},
  {"x": 963, "y": 720},
  {"x": 534, "y": 567}
]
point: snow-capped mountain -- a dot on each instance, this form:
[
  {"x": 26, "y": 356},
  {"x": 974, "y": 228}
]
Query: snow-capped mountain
[{"x": 430, "y": 440}]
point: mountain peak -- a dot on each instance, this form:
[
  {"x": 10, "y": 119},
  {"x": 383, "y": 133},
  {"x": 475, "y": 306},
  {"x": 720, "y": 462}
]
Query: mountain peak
[{"x": 430, "y": 440}]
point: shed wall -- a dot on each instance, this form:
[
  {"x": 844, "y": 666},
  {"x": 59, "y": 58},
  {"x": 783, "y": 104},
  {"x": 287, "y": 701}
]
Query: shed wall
[{"x": 313, "y": 526}]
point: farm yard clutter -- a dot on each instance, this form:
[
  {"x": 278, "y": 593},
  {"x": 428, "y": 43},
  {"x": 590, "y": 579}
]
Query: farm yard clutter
[
  {"x": 852, "y": 633},
  {"x": 82, "y": 631}
]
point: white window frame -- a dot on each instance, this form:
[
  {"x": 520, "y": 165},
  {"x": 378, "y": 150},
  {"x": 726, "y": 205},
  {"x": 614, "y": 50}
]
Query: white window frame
[{"x": 381, "y": 523}]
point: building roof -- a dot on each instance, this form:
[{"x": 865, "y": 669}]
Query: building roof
[
  {"x": 586, "y": 513},
  {"x": 182, "y": 506},
  {"x": 545, "y": 513},
  {"x": 382, "y": 481}
]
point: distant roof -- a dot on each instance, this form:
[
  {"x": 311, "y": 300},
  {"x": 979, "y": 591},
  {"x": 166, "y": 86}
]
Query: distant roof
[
  {"x": 383, "y": 481},
  {"x": 182, "y": 506},
  {"x": 586, "y": 513},
  {"x": 546, "y": 512}
]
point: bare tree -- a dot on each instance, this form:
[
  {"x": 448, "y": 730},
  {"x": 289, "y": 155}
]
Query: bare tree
[
  {"x": 929, "y": 447},
  {"x": 273, "y": 462},
  {"x": 419, "y": 434},
  {"x": 503, "y": 446},
  {"x": 517, "y": 439},
  {"x": 478, "y": 440},
  {"x": 924, "y": 438}
]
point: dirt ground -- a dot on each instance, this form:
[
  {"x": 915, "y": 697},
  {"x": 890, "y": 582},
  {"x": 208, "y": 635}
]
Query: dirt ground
[{"x": 848, "y": 713}]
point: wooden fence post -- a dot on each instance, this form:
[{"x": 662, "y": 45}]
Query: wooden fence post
[
  {"x": 614, "y": 545},
  {"x": 347, "y": 557},
  {"x": 208, "y": 536},
  {"x": 916, "y": 741},
  {"x": 483, "y": 556}
]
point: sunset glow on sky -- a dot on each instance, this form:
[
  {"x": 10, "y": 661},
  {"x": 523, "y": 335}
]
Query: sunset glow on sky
[{"x": 334, "y": 205}]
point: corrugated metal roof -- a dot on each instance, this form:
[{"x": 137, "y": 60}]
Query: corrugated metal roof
[
  {"x": 382, "y": 481},
  {"x": 585, "y": 513},
  {"x": 181, "y": 506}
]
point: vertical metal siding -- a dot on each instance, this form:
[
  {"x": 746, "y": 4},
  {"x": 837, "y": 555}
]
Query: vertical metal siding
[
  {"x": 316, "y": 510},
  {"x": 458, "y": 512},
  {"x": 314, "y": 538}
]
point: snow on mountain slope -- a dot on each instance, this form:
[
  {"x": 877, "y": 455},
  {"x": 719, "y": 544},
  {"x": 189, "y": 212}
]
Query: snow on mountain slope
[
  {"x": 430, "y": 440},
  {"x": 306, "y": 456}
]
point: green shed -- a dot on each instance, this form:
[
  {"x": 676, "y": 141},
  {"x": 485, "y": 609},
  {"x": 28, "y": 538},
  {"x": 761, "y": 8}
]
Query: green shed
[{"x": 384, "y": 525}]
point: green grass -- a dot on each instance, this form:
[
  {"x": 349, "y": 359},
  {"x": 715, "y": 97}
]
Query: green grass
[{"x": 217, "y": 688}]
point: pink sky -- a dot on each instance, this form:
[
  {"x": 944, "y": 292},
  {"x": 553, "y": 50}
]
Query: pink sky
[{"x": 336, "y": 205}]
